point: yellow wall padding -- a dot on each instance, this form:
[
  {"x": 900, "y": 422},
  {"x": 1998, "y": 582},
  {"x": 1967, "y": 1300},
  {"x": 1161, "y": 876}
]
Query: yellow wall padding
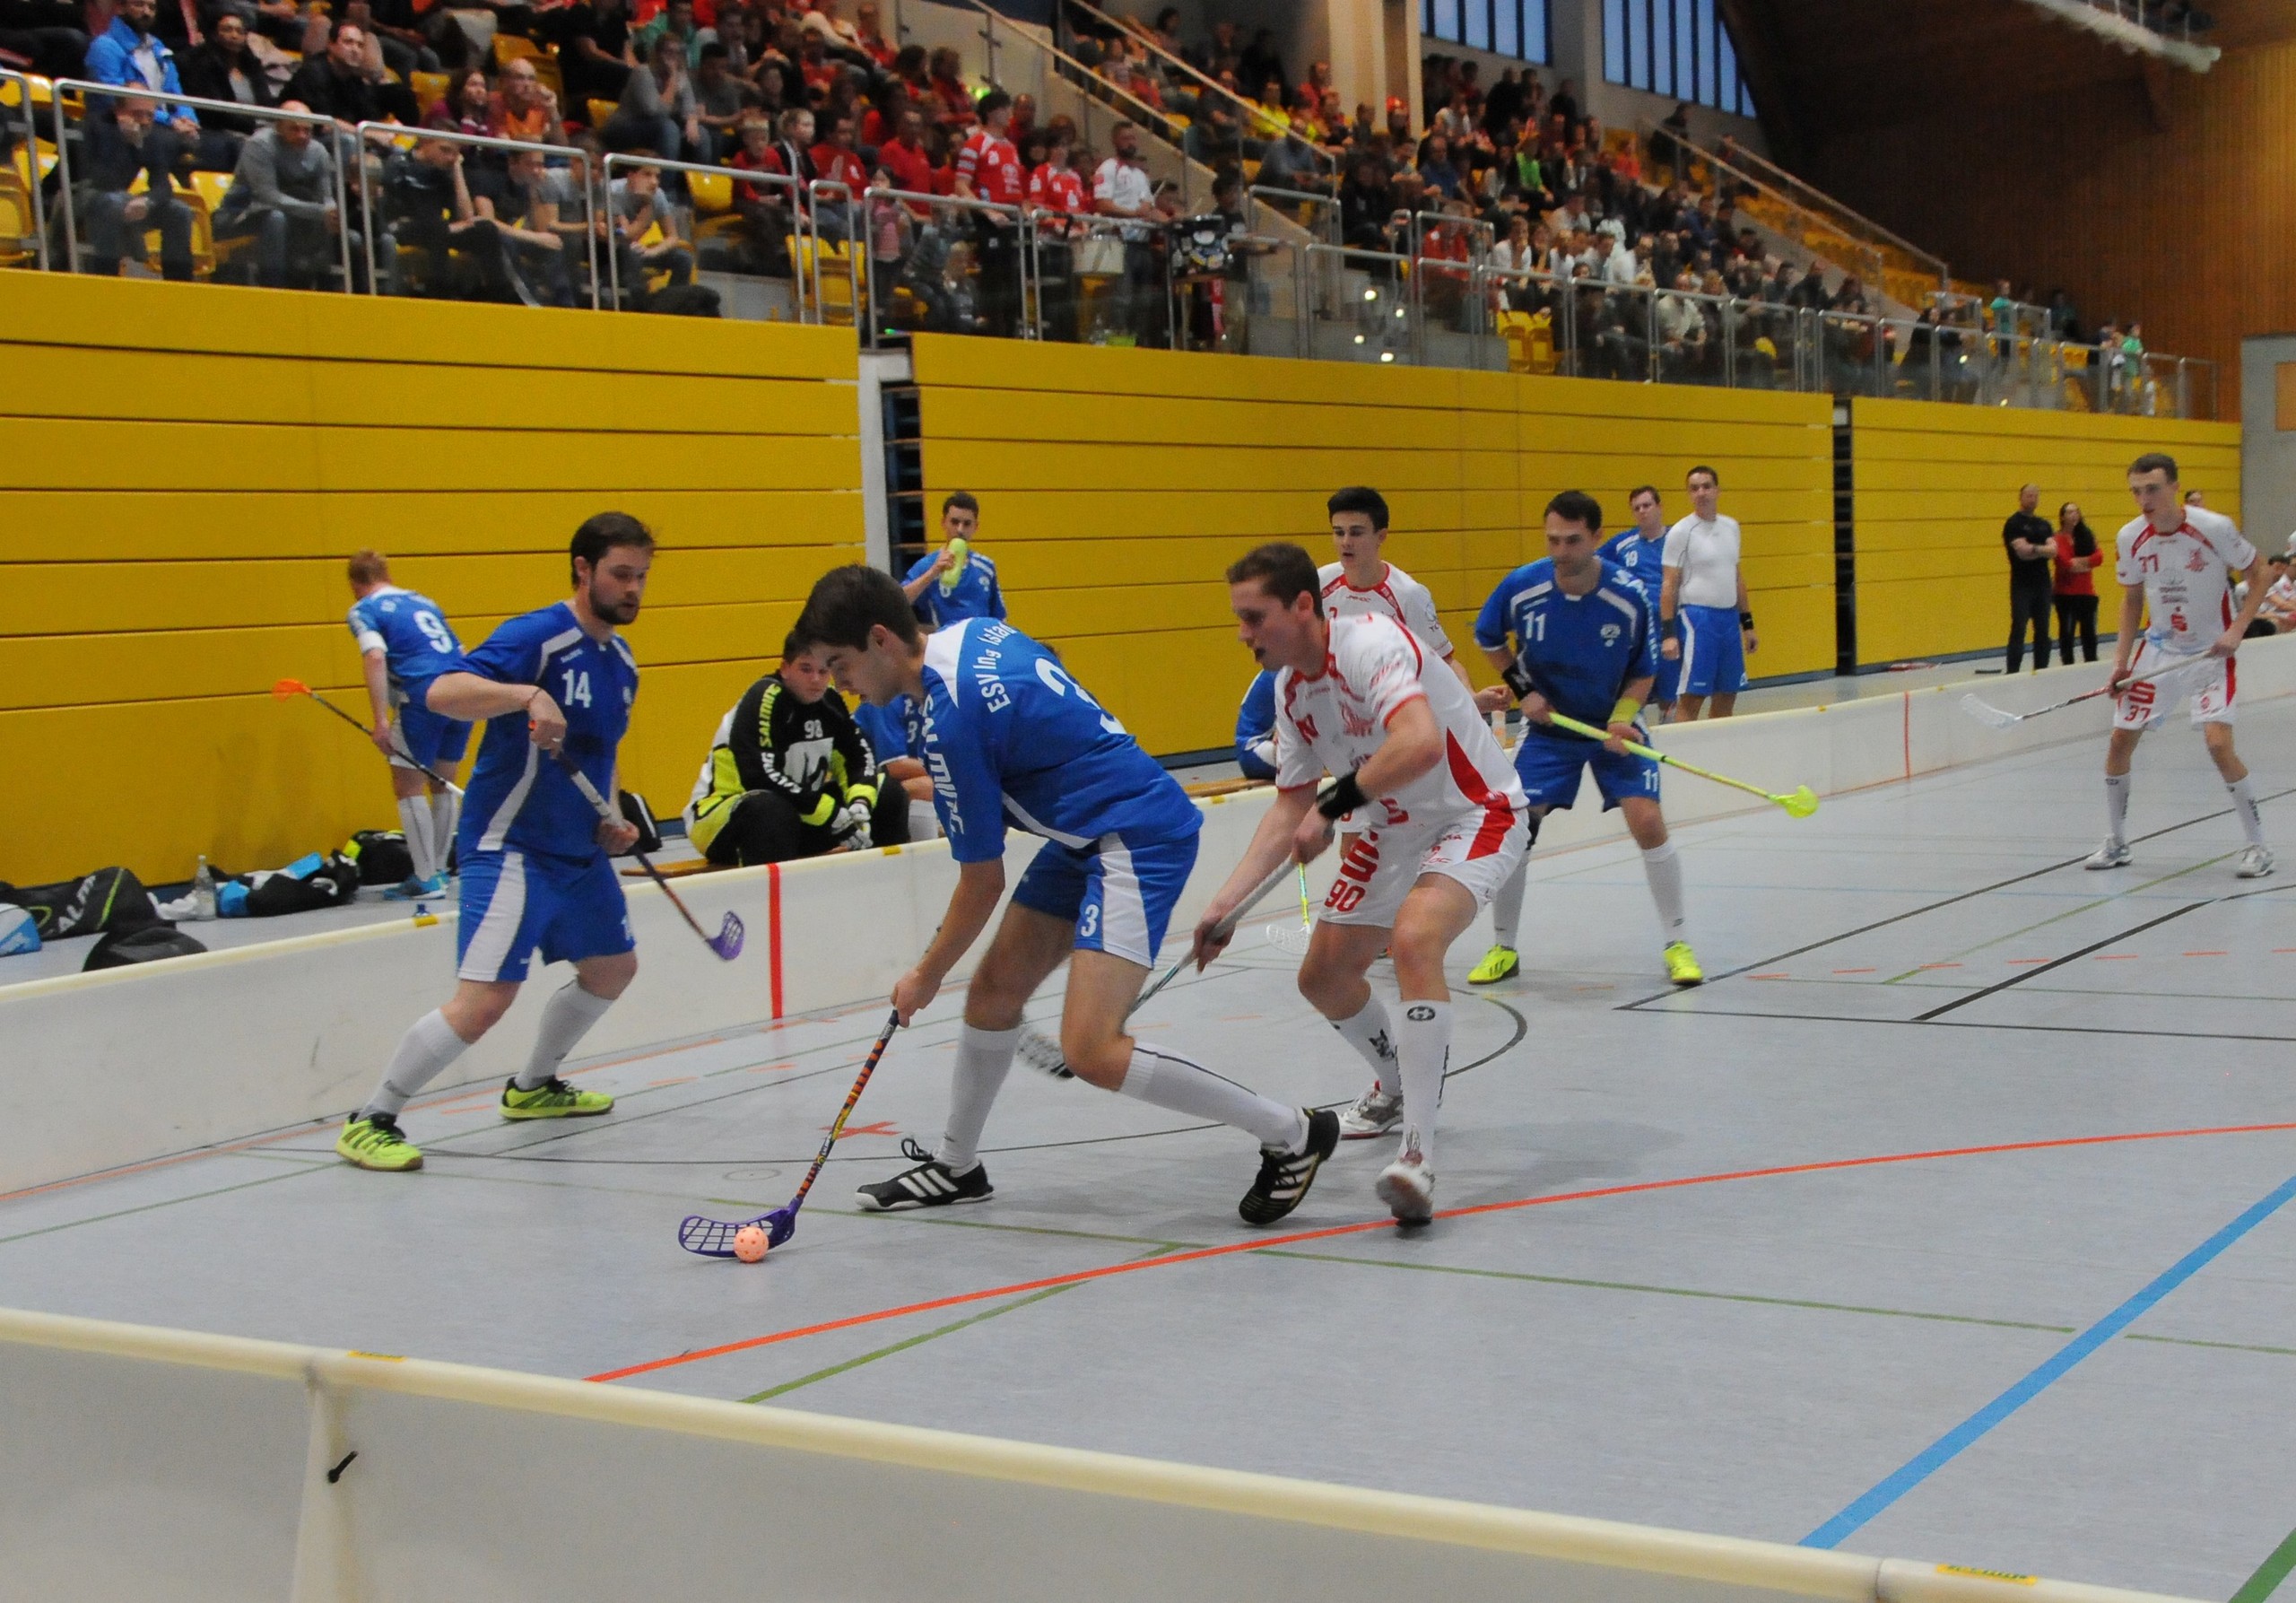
[
  {"x": 1116, "y": 486},
  {"x": 1935, "y": 482},
  {"x": 183, "y": 470}
]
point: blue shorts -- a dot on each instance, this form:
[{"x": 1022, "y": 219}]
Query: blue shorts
[
  {"x": 1714, "y": 653},
  {"x": 1120, "y": 897},
  {"x": 1549, "y": 766},
  {"x": 517, "y": 902},
  {"x": 1664, "y": 692},
  {"x": 429, "y": 738}
]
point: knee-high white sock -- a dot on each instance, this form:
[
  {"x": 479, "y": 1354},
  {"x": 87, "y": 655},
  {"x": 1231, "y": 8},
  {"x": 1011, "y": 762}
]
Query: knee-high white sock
[
  {"x": 428, "y": 1047},
  {"x": 2244, "y": 807},
  {"x": 2117, "y": 807},
  {"x": 1663, "y": 870},
  {"x": 446, "y": 812},
  {"x": 414, "y": 823},
  {"x": 1369, "y": 1034},
  {"x": 1170, "y": 1081},
  {"x": 1424, "y": 1044},
  {"x": 566, "y": 1018},
  {"x": 982, "y": 1057},
  {"x": 1507, "y": 907}
]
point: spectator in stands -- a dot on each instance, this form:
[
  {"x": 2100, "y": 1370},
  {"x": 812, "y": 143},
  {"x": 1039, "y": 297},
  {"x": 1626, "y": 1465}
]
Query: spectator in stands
[
  {"x": 224, "y": 69},
  {"x": 1121, "y": 189},
  {"x": 988, "y": 168},
  {"x": 2029, "y": 543},
  {"x": 763, "y": 208},
  {"x": 129, "y": 53},
  {"x": 869, "y": 33},
  {"x": 945, "y": 590},
  {"x": 1057, "y": 189},
  {"x": 1262, "y": 63},
  {"x": 950, "y": 101},
  {"x": 526, "y": 110},
  {"x": 466, "y": 107},
  {"x": 526, "y": 218},
  {"x": 336, "y": 84},
  {"x": 1682, "y": 332},
  {"x": 837, "y": 162},
  {"x": 593, "y": 58},
  {"x": 394, "y": 37},
  {"x": 47, "y": 33},
  {"x": 282, "y": 195},
  {"x": 637, "y": 207},
  {"x": 720, "y": 98},
  {"x": 657, "y": 112},
  {"x": 2063, "y": 321},
  {"x": 1435, "y": 169},
  {"x": 431, "y": 210},
  {"x": 675, "y": 23},
  {"x": 132, "y": 141},
  {"x": 904, "y": 156}
]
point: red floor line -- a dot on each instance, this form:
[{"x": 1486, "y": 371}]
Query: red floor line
[{"x": 1262, "y": 1242}]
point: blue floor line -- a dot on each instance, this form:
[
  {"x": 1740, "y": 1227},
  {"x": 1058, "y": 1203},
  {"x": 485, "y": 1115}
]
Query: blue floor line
[{"x": 1942, "y": 1451}]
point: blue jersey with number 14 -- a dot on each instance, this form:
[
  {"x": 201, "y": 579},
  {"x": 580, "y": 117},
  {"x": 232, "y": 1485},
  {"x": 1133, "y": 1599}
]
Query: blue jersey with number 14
[
  {"x": 1008, "y": 733},
  {"x": 410, "y": 631},
  {"x": 1578, "y": 650},
  {"x": 519, "y": 797}
]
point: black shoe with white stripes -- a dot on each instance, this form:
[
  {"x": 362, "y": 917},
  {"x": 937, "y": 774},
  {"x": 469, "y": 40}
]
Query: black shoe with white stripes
[
  {"x": 1285, "y": 1176},
  {"x": 931, "y": 1184}
]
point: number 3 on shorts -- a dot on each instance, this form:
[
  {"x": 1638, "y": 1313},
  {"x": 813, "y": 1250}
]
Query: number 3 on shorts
[{"x": 1089, "y": 924}]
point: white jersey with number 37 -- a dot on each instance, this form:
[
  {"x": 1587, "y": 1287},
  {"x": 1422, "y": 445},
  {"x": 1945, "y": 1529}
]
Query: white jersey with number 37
[
  {"x": 2187, "y": 576},
  {"x": 1335, "y": 720}
]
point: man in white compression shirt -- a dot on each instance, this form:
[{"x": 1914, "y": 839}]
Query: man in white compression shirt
[{"x": 1703, "y": 618}]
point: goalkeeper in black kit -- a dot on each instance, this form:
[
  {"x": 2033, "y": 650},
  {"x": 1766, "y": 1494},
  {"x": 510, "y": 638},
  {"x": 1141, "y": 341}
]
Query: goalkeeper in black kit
[{"x": 790, "y": 775}]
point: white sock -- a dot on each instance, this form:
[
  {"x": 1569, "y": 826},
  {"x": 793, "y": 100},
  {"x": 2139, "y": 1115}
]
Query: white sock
[
  {"x": 1424, "y": 1044},
  {"x": 2244, "y": 805},
  {"x": 982, "y": 1057},
  {"x": 1170, "y": 1081},
  {"x": 1369, "y": 1034},
  {"x": 2117, "y": 807},
  {"x": 566, "y": 1018},
  {"x": 424, "y": 1051},
  {"x": 924, "y": 823},
  {"x": 1663, "y": 870},
  {"x": 446, "y": 812},
  {"x": 414, "y": 823},
  {"x": 1507, "y": 907}
]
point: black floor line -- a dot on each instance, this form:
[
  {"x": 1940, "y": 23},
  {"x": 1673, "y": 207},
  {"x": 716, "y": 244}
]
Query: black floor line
[{"x": 1962, "y": 1023}]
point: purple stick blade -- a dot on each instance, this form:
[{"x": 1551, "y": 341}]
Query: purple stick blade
[
  {"x": 714, "y": 1238},
  {"x": 780, "y": 1225},
  {"x": 729, "y": 944}
]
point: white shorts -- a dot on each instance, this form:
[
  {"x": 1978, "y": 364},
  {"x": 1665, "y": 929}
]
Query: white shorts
[
  {"x": 1479, "y": 849},
  {"x": 2212, "y": 687}
]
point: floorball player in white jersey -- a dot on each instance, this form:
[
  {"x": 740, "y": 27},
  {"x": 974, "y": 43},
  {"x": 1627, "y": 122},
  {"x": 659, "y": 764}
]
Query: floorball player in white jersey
[
  {"x": 1360, "y": 700},
  {"x": 1702, "y": 606},
  {"x": 2178, "y": 559},
  {"x": 1364, "y": 584}
]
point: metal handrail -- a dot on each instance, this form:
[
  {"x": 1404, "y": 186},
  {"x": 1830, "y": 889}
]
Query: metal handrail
[
  {"x": 740, "y": 175},
  {"x": 1246, "y": 107},
  {"x": 1821, "y": 201},
  {"x": 817, "y": 192},
  {"x": 1329, "y": 201},
  {"x": 32, "y": 162},
  {"x": 115, "y": 92},
  {"x": 1023, "y": 218},
  {"x": 1871, "y": 267},
  {"x": 390, "y": 133}
]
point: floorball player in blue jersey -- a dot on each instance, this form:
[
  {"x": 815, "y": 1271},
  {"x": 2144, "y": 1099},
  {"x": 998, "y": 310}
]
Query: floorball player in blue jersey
[
  {"x": 404, "y": 642},
  {"x": 536, "y": 874},
  {"x": 1577, "y": 635},
  {"x": 1009, "y": 738}
]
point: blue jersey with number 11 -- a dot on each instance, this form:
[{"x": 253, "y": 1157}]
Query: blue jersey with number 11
[
  {"x": 519, "y": 797},
  {"x": 1008, "y": 733},
  {"x": 1578, "y": 650}
]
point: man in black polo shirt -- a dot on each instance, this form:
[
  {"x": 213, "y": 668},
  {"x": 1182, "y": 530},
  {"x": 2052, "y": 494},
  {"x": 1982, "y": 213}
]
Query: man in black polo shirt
[{"x": 2029, "y": 542}]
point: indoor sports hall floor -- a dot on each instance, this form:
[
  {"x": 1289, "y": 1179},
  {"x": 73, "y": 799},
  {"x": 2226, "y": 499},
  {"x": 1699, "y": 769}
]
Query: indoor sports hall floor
[{"x": 1943, "y": 1223}]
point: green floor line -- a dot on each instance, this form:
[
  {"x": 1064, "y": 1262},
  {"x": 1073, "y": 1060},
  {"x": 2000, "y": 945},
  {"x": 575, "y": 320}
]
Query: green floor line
[
  {"x": 2229, "y": 1347},
  {"x": 268, "y": 1180},
  {"x": 2269, "y": 1574},
  {"x": 1672, "y": 1291},
  {"x": 913, "y": 1216}
]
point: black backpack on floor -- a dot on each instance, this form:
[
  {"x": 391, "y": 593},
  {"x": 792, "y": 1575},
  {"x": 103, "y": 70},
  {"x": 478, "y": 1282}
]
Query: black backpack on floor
[{"x": 146, "y": 943}]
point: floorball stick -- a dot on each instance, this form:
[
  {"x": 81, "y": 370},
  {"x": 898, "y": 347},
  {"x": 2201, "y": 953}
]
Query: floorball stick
[
  {"x": 1291, "y": 939},
  {"x": 1042, "y": 1053},
  {"x": 1995, "y": 717},
  {"x": 1798, "y": 803},
  {"x": 286, "y": 689},
  {"x": 727, "y": 942},
  {"x": 714, "y": 1238}
]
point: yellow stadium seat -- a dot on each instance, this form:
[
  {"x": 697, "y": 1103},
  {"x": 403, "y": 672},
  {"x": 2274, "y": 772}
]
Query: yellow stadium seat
[
  {"x": 600, "y": 112},
  {"x": 429, "y": 88},
  {"x": 711, "y": 191},
  {"x": 509, "y": 47},
  {"x": 836, "y": 278},
  {"x": 18, "y": 240}
]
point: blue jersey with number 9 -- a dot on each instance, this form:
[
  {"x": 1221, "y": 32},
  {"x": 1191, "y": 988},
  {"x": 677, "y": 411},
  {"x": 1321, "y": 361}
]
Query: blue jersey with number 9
[
  {"x": 1009, "y": 736},
  {"x": 410, "y": 631},
  {"x": 519, "y": 797}
]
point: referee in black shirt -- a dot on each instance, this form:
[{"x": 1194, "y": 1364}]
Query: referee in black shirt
[{"x": 2030, "y": 543}]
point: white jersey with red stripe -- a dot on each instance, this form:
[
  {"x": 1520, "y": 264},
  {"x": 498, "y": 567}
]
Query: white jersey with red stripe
[
  {"x": 2188, "y": 576},
  {"x": 1397, "y": 595},
  {"x": 1334, "y": 722}
]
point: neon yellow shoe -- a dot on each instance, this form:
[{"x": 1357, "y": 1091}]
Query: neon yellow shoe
[
  {"x": 1497, "y": 964},
  {"x": 376, "y": 1141},
  {"x": 1682, "y": 965},
  {"x": 552, "y": 1099}
]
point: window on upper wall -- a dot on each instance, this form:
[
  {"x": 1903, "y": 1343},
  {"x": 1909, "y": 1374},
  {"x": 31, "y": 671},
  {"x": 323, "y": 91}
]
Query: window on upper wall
[
  {"x": 1678, "y": 49},
  {"x": 1522, "y": 29}
]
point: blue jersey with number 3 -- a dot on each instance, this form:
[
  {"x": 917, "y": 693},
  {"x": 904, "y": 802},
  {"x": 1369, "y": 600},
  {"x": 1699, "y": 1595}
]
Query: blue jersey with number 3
[
  {"x": 1007, "y": 733},
  {"x": 410, "y": 631},
  {"x": 519, "y": 797},
  {"x": 1578, "y": 650}
]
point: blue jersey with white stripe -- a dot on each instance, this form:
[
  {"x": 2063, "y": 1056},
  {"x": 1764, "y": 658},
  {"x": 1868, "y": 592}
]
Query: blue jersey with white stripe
[
  {"x": 410, "y": 631},
  {"x": 1006, "y": 733},
  {"x": 1643, "y": 559},
  {"x": 1578, "y": 650},
  {"x": 887, "y": 728},
  {"x": 1255, "y": 719},
  {"x": 974, "y": 595},
  {"x": 519, "y": 796}
]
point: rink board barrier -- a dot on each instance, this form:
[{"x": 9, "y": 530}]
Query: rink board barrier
[
  {"x": 125, "y": 1066},
  {"x": 143, "y": 1462}
]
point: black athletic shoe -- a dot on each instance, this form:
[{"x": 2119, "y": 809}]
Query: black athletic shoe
[
  {"x": 1285, "y": 1176},
  {"x": 930, "y": 1184}
]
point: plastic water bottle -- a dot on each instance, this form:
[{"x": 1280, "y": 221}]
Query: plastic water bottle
[
  {"x": 203, "y": 892},
  {"x": 959, "y": 553}
]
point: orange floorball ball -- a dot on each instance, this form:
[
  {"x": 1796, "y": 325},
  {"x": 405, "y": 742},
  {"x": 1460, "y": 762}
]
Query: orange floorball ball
[{"x": 749, "y": 1243}]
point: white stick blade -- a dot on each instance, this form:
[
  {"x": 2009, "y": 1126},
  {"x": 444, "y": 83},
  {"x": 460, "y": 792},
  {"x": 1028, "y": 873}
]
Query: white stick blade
[{"x": 1992, "y": 718}]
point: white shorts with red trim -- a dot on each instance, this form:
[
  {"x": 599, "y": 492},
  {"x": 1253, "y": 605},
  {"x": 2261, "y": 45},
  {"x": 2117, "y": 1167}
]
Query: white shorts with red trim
[
  {"x": 2212, "y": 687},
  {"x": 1479, "y": 849}
]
